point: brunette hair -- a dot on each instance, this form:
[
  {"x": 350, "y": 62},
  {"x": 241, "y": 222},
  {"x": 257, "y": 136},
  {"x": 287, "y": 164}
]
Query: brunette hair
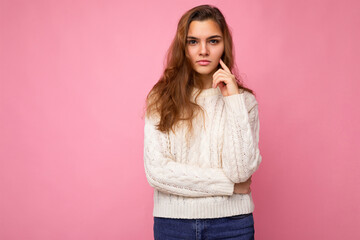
[{"x": 170, "y": 97}]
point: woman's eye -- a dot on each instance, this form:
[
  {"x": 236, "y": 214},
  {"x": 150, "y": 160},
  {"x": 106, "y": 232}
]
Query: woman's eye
[{"x": 193, "y": 42}]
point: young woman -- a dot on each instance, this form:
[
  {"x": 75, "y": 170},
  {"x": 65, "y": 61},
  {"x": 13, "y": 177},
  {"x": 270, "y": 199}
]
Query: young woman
[{"x": 201, "y": 136}]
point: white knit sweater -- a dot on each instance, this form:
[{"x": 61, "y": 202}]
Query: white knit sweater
[{"x": 195, "y": 178}]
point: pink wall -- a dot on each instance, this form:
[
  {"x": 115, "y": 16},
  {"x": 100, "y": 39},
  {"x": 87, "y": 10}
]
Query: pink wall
[{"x": 73, "y": 78}]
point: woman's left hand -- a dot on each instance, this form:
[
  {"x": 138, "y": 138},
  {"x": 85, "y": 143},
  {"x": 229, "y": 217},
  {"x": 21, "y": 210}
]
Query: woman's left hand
[{"x": 226, "y": 81}]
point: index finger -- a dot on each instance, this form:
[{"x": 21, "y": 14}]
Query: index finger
[{"x": 224, "y": 66}]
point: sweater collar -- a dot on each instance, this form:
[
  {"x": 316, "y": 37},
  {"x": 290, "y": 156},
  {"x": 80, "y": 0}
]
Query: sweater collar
[{"x": 207, "y": 92}]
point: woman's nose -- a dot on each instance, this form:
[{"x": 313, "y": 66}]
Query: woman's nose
[{"x": 204, "y": 49}]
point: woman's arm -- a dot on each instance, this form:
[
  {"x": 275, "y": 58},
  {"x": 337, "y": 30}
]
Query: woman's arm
[
  {"x": 240, "y": 154},
  {"x": 165, "y": 174}
]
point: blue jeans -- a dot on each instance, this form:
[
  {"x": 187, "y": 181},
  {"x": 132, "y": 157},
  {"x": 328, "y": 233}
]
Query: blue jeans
[{"x": 239, "y": 227}]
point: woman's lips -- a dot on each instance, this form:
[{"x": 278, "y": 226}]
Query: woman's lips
[{"x": 203, "y": 62}]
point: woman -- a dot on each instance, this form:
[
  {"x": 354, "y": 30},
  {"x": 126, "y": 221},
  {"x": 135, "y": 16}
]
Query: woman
[{"x": 200, "y": 165}]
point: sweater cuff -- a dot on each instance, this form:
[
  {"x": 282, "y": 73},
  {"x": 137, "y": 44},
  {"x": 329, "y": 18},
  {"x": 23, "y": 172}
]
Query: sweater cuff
[
  {"x": 236, "y": 103},
  {"x": 227, "y": 187}
]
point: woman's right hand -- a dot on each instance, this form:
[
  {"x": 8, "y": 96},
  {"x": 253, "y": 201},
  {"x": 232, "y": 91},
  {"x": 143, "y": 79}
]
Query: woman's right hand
[{"x": 243, "y": 187}]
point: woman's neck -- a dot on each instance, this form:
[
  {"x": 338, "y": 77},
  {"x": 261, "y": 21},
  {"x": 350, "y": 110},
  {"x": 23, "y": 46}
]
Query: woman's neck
[{"x": 206, "y": 80}]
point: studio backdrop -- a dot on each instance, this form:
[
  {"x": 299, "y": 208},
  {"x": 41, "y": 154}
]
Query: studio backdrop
[{"x": 73, "y": 80}]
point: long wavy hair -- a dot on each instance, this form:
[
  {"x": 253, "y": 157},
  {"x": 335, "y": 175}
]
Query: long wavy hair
[{"x": 170, "y": 97}]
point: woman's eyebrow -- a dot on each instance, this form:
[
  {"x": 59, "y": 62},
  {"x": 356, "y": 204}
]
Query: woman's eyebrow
[{"x": 214, "y": 36}]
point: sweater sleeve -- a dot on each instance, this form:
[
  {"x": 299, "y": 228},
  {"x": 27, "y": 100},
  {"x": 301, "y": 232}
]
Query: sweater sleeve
[
  {"x": 167, "y": 175},
  {"x": 240, "y": 154}
]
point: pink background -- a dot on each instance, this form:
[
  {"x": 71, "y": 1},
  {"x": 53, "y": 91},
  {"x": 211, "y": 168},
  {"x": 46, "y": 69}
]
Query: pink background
[{"x": 74, "y": 76}]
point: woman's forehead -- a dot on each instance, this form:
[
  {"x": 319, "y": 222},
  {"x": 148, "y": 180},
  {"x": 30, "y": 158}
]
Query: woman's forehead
[{"x": 204, "y": 29}]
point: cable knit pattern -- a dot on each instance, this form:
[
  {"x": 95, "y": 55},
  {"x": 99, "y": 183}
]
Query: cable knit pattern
[
  {"x": 194, "y": 177},
  {"x": 241, "y": 155}
]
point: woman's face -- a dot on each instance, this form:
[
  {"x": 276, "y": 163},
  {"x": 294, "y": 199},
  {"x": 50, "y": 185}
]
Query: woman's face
[{"x": 204, "y": 47}]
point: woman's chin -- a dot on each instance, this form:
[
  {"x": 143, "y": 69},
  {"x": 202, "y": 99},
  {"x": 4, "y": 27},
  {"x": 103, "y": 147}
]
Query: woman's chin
[{"x": 204, "y": 72}]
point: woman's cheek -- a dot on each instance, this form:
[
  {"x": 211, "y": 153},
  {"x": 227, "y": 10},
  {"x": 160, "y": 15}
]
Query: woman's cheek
[{"x": 220, "y": 52}]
